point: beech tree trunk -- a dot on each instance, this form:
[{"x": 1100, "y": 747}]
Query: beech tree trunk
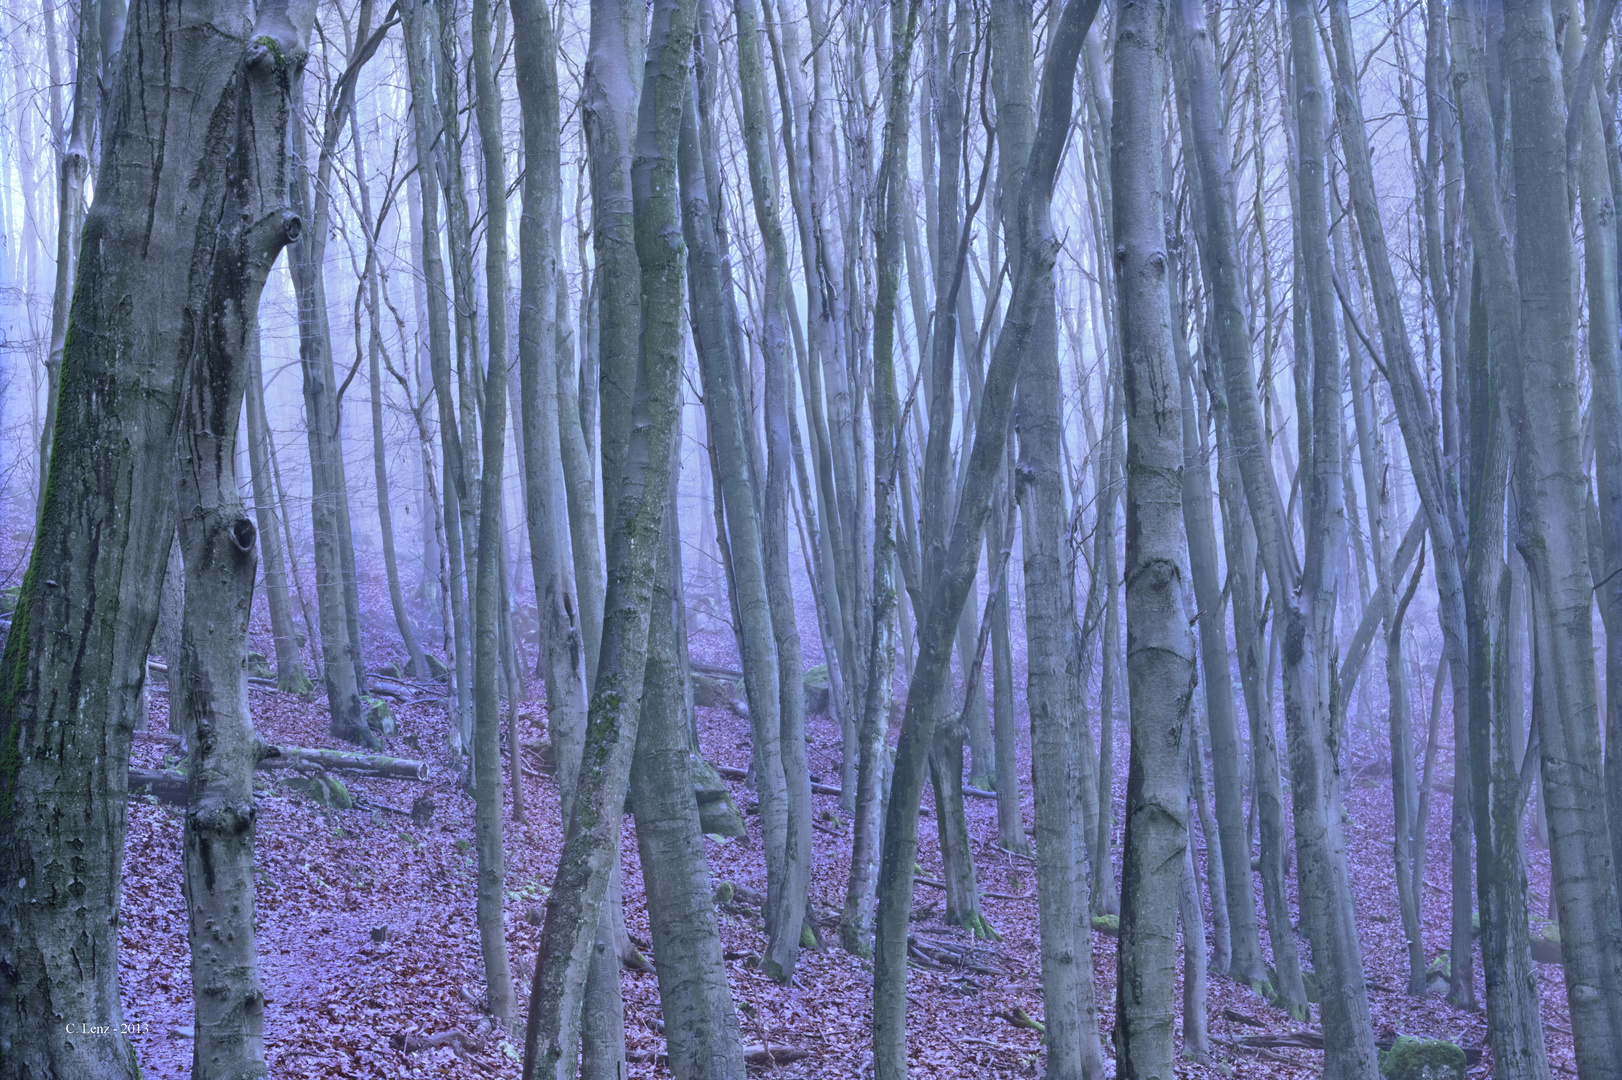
[
  {"x": 574, "y": 906},
  {"x": 1160, "y": 648},
  {"x": 217, "y": 542},
  {"x": 75, "y": 658},
  {"x": 1542, "y": 396}
]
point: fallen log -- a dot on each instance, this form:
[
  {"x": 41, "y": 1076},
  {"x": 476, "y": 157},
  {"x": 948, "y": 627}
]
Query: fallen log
[
  {"x": 379, "y": 765},
  {"x": 168, "y": 786},
  {"x": 729, "y": 773},
  {"x": 382, "y": 766}
]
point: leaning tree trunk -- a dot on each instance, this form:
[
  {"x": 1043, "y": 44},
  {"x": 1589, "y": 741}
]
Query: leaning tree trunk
[
  {"x": 958, "y": 563},
  {"x": 796, "y": 885},
  {"x": 1238, "y": 430},
  {"x": 75, "y": 658},
  {"x": 1054, "y": 686},
  {"x": 574, "y": 907},
  {"x": 329, "y": 500},
  {"x": 1160, "y": 647}
]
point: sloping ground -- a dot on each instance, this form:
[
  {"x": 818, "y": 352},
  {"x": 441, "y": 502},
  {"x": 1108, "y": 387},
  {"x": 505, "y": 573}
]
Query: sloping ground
[{"x": 341, "y": 1004}]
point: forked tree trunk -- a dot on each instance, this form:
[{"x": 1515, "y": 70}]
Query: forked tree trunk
[
  {"x": 75, "y": 658},
  {"x": 563, "y": 644},
  {"x": 574, "y": 907},
  {"x": 217, "y": 541}
]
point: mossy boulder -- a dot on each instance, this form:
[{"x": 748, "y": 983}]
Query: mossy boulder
[
  {"x": 390, "y": 671},
  {"x": 713, "y": 691},
  {"x": 379, "y": 717},
  {"x": 259, "y": 666},
  {"x": 436, "y": 667},
  {"x": 1439, "y": 973},
  {"x": 8, "y": 598},
  {"x": 717, "y": 813},
  {"x": 324, "y": 789},
  {"x": 1108, "y": 925},
  {"x": 818, "y": 695},
  {"x": 1422, "y": 1059}
]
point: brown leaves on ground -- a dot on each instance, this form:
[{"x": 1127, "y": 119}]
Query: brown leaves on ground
[{"x": 340, "y": 1003}]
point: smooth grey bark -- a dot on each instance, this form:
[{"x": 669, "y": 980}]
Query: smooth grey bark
[
  {"x": 489, "y": 612},
  {"x": 1189, "y": 32},
  {"x": 419, "y": 20},
  {"x": 879, "y": 665},
  {"x": 1542, "y": 397},
  {"x": 724, "y": 412},
  {"x": 75, "y": 659},
  {"x": 701, "y": 1022},
  {"x": 775, "y": 346},
  {"x": 290, "y": 675},
  {"x": 563, "y": 653},
  {"x": 1308, "y": 615},
  {"x": 958, "y": 563},
  {"x": 1600, "y": 187},
  {"x": 1054, "y": 681},
  {"x": 1160, "y": 664},
  {"x": 574, "y": 907},
  {"x": 1196, "y": 1027},
  {"x": 336, "y": 597}
]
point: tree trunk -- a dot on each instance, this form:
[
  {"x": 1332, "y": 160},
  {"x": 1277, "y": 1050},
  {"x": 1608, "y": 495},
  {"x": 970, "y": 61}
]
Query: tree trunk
[
  {"x": 374, "y": 351},
  {"x": 1160, "y": 647},
  {"x": 419, "y": 21},
  {"x": 73, "y": 169},
  {"x": 575, "y": 904},
  {"x": 1542, "y": 396},
  {"x": 1239, "y": 898},
  {"x": 701, "y": 1021},
  {"x": 290, "y": 676},
  {"x": 563, "y": 653},
  {"x": 1308, "y": 617},
  {"x": 774, "y": 524},
  {"x": 488, "y": 592},
  {"x": 950, "y": 588},
  {"x": 76, "y": 655},
  {"x": 757, "y": 642}
]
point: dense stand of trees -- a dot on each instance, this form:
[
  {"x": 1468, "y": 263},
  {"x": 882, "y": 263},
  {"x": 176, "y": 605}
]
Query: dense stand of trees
[{"x": 1160, "y": 369}]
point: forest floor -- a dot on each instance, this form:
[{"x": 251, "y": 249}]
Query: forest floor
[{"x": 341, "y": 1004}]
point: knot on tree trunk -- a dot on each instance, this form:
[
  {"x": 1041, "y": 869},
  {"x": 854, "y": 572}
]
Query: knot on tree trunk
[{"x": 243, "y": 533}]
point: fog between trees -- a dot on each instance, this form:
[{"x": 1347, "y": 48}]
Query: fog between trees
[{"x": 1238, "y": 387}]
